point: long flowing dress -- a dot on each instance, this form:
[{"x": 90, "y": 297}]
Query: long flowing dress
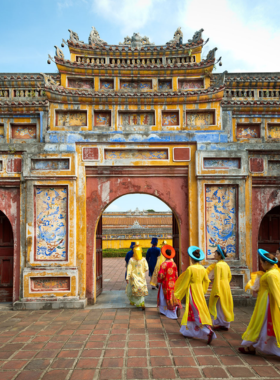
[
  {"x": 154, "y": 279},
  {"x": 193, "y": 283},
  {"x": 136, "y": 289},
  {"x": 166, "y": 301},
  {"x": 221, "y": 302},
  {"x": 263, "y": 331}
]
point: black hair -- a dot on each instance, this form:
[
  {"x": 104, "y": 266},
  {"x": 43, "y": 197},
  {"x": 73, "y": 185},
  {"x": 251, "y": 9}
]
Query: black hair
[
  {"x": 168, "y": 252},
  {"x": 196, "y": 253},
  {"x": 270, "y": 256},
  {"x": 224, "y": 253}
]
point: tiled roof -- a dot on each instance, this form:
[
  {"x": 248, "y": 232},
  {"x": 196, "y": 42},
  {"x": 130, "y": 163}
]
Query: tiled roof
[{"x": 128, "y": 221}]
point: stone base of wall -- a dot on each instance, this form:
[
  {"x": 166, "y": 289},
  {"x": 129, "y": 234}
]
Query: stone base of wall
[{"x": 50, "y": 305}]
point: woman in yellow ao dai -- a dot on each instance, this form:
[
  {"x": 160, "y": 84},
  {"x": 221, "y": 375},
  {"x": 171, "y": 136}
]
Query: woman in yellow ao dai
[
  {"x": 193, "y": 283},
  {"x": 221, "y": 302},
  {"x": 263, "y": 331},
  {"x": 136, "y": 289}
]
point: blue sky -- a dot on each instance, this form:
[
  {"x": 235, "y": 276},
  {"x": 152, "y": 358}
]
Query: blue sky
[
  {"x": 142, "y": 201},
  {"x": 246, "y": 32}
]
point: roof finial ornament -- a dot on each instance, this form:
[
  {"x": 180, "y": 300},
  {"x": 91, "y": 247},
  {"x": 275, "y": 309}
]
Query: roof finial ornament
[
  {"x": 211, "y": 54},
  {"x": 197, "y": 36},
  {"x": 94, "y": 38},
  {"x": 220, "y": 81},
  {"x": 49, "y": 81},
  {"x": 59, "y": 52},
  {"x": 136, "y": 40},
  {"x": 177, "y": 38},
  {"x": 74, "y": 37}
]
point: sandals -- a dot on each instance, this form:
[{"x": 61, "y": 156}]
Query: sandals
[
  {"x": 217, "y": 328},
  {"x": 246, "y": 352}
]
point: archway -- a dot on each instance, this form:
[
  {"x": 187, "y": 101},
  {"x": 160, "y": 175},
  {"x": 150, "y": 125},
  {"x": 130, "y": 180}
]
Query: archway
[
  {"x": 123, "y": 222},
  {"x": 6, "y": 259},
  {"x": 269, "y": 232},
  {"x": 104, "y": 185}
]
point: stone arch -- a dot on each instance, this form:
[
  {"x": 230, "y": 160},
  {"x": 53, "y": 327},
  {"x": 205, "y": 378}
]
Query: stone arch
[
  {"x": 103, "y": 191},
  {"x": 264, "y": 199},
  {"x": 10, "y": 206}
]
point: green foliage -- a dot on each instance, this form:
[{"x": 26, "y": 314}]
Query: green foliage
[
  {"x": 121, "y": 252},
  {"x": 150, "y": 210}
]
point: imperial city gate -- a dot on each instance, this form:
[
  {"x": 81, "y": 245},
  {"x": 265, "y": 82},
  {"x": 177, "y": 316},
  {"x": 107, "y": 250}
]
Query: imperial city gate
[{"x": 124, "y": 119}]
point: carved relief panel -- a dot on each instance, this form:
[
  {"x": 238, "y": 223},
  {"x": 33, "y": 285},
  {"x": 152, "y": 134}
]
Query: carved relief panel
[
  {"x": 200, "y": 119},
  {"x": 106, "y": 84},
  {"x": 164, "y": 84},
  {"x": 170, "y": 118},
  {"x": 23, "y": 131},
  {"x": 87, "y": 84},
  {"x": 185, "y": 84},
  {"x": 136, "y": 118},
  {"x": 273, "y": 131},
  {"x": 248, "y": 131},
  {"x": 102, "y": 118},
  {"x": 50, "y": 223},
  {"x": 71, "y": 118},
  {"x": 221, "y": 219},
  {"x": 136, "y": 85}
]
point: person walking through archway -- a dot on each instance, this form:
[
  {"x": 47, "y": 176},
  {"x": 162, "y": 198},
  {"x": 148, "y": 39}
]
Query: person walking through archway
[
  {"x": 193, "y": 283},
  {"x": 221, "y": 302},
  {"x": 263, "y": 331},
  {"x": 128, "y": 256},
  {"x": 136, "y": 289},
  {"x": 152, "y": 255},
  {"x": 167, "y": 276}
]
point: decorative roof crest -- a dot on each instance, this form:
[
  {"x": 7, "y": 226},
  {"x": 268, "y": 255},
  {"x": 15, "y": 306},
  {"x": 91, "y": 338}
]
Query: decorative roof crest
[
  {"x": 211, "y": 54},
  {"x": 220, "y": 81},
  {"x": 177, "y": 38},
  {"x": 94, "y": 38},
  {"x": 58, "y": 52},
  {"x": 136, "y": 41},
  {"x": 49, "y": 81},
  {"x": 74, "y": 37},
  {"x": 197, "y": 36}
]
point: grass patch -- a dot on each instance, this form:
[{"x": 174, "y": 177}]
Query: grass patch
[{"x": 120, "y": 252}]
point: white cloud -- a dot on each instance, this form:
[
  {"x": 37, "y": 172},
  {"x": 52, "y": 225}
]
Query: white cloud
[
  {"x": 242, "y": 34},
  {"x": 129, "y": 15},
  {"x": 113, "y": 207}
]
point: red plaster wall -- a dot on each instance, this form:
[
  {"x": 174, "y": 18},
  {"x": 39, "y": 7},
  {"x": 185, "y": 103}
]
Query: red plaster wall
[
  {"x": 10, "y": 205},
  {"x": 263, "y": 199},
  {"x": 102, "y": 191}
]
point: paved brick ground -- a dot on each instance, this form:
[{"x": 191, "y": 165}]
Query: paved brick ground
[
  {"x": 120, "y": 344},
  {"x": 114, "y": 272}
]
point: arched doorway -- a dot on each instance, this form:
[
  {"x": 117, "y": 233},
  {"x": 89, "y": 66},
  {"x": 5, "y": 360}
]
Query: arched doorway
[
  {"x": 104, "y": 185},
  {"x": 116, "y": 229},
  {"x": 6, "y": 259},
  {"x": 269, "y": 231}
]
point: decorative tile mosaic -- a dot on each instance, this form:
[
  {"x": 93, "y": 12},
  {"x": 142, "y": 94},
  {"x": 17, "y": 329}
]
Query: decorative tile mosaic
[
  {"x": 190, "y": 84},
  {"x": 136, "y": 118},
  {"x": 165, "y": 85},
  {"x": 71, "y": 118},
  {"x": 24, "y": 132},
  {"x": 102, "y": 119},
  {"x": 50, "y": 164},
  {"x": 221, "y": 163},
  {"x": 51, "y": 223},
  {"x": 106, "y": 84},
  {"x": 143, "y": 154},
  {"x": 273, "y": 131},
  {"x": 38, "y": 284},
  {"x": 141, "y": 85},
  {"x": 200, "y": 119},
  {"x": 221, "y": 216},
  {"x": 81, "y": 83},
  {"x": 248, "y": 131},
  {"x": 170, "y": 118}
]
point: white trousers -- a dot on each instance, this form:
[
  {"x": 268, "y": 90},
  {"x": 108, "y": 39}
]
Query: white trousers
[
  {"x": 266, "y": 344},
  {"x": 220, "y": 320},
  {"x": 195, "y": 329},
  {"x": 172, "y": 314}
]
